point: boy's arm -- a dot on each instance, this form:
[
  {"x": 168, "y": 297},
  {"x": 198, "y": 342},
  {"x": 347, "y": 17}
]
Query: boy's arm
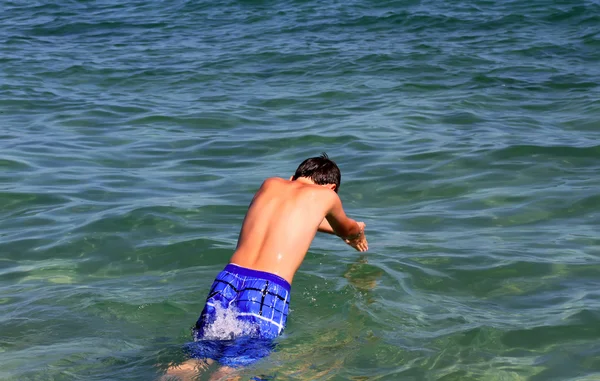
[
  {"x": 325, "y": 227},
  {"x": 346, "y": 228}
]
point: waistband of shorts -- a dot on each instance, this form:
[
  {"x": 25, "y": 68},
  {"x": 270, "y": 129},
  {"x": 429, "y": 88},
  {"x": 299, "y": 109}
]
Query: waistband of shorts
[{"x": 244, "y": 271}]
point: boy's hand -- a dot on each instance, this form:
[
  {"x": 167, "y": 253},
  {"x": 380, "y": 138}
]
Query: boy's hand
[{"x": 359, "y": 243}]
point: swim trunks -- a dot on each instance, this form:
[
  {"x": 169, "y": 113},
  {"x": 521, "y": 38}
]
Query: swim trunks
[{"x": 245, "y": 310}]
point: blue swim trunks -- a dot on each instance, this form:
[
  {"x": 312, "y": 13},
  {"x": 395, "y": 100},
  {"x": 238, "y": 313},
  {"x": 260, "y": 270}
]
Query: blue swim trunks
[{"x": 245, "y": 310}]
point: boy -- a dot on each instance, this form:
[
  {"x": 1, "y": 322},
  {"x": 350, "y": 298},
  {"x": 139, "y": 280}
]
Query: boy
[{"x": 249, "y": 300}]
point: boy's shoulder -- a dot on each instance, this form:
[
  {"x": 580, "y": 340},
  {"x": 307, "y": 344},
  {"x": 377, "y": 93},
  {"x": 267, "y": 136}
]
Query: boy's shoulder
[
  {"x": 281, "y": 182},
  {"x": 274, "y": 179}
]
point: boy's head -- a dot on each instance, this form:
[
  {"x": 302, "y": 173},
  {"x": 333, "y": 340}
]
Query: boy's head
[{"x": 321, "y": 170}]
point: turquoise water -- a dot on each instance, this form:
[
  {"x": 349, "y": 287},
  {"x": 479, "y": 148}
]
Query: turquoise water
[{"x": 133, "y": 135}]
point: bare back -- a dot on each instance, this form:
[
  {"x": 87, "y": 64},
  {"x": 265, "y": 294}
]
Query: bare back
[{"x": 281, "y": 222}]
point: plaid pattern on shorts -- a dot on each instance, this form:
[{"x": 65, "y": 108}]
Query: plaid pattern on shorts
[{"x": 258, "y": 299}]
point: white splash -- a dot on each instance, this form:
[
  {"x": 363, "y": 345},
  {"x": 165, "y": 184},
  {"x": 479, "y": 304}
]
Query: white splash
[{"x": 226, "y": 325}]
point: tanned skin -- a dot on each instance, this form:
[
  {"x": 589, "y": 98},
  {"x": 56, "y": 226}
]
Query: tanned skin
[{"x": 282, "y": 221}]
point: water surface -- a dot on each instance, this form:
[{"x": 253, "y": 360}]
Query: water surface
[{"x": 133, "y": 135}]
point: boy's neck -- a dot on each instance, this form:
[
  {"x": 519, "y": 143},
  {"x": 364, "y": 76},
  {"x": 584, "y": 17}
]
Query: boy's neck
[{"x": 305, "y": 180}]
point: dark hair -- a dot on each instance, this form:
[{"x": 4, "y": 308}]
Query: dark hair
[{"x": 322, "y": 170}]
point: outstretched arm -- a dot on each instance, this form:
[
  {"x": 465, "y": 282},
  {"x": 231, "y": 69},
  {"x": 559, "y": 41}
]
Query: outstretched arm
[
  {"x": 336, "y": 222},
  {"x": 358, "y": 241},
  {"x": 325, "y": 227}
]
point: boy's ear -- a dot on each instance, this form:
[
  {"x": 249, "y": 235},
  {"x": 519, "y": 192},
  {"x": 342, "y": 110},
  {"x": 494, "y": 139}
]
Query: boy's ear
[
  {"x": 331, "y": 186},
  {"x": 291, "y": 177}
]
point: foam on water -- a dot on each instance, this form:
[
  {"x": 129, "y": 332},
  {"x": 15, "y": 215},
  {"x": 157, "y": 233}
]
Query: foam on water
[
  {"x": 229, "y": 341},
  {"x": 133, "y": 136},
  {"x": 227, "y": 326}
]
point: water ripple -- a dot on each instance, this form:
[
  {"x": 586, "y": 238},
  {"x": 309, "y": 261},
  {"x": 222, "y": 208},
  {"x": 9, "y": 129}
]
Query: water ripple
[{"x": 134, "y": 135}]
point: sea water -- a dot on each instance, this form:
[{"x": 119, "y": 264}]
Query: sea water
[{"x": 134, "y": 134}]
